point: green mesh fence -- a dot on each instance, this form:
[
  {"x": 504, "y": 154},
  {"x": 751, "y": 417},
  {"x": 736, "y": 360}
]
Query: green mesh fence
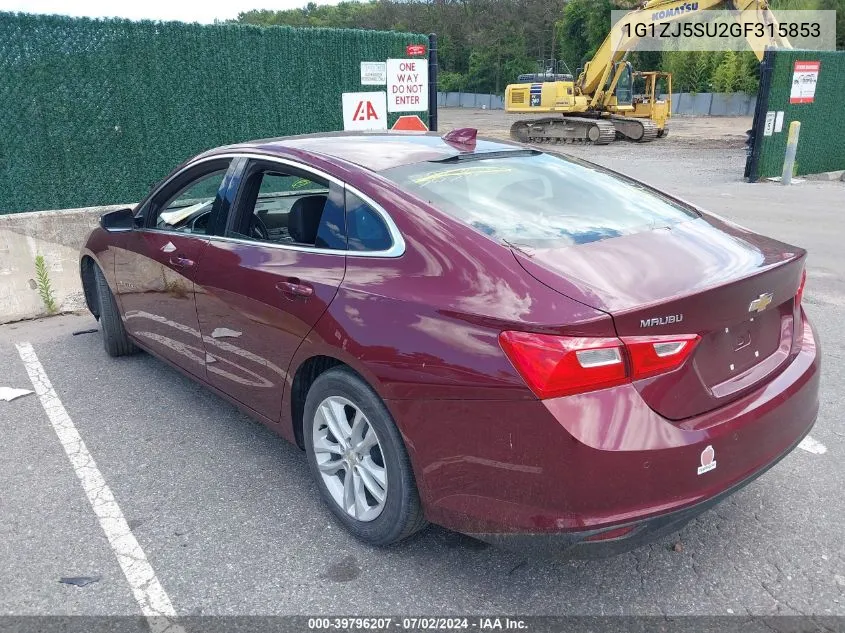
[
  {"x": 96, "y": 111},
  {"x": 820, "y": 146}
]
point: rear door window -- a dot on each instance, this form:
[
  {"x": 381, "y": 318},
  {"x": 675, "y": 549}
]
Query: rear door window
[
  {"x": 538, "y": 200},
  {"x": 286, "y": 207}
]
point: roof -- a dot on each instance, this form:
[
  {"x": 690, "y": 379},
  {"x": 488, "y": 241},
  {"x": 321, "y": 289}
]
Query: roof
[{"x": 375, "y": 151}]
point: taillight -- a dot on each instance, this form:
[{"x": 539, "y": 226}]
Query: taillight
[
  {"x": 564, "y": 365},
  {"x": 554, "y": 366},
  {"x": 800, "y": 294},
  {"x": 652, "y": 355}
]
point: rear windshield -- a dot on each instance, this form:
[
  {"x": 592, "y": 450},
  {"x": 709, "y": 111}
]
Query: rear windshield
[{"x": 538, "y": 200}]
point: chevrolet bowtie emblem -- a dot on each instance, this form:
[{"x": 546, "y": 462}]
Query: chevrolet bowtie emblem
[{"x": 760, "y": 303}]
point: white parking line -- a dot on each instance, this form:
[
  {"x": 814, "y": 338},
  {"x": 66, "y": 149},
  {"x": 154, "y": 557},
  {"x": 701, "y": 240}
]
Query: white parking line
[
  {"x": 812, "y": 445},
  {"x": 153, "y": 600}
]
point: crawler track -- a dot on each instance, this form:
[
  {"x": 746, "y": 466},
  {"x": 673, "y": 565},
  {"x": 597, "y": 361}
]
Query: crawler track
[
  {"x": 567, "y": 129},
  {"x": 637, "y": 130}
]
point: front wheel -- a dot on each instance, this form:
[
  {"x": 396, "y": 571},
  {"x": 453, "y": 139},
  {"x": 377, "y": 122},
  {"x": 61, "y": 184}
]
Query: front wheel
[
  {"x": 357, "y": 457},
  {"x": 115, "y": 339}
]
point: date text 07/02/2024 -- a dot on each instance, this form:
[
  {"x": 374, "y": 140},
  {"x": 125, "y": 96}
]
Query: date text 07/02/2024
[{"x": 418, "y": 624}]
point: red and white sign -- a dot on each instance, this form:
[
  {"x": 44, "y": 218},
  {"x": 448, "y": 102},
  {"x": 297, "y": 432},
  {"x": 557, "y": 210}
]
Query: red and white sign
[
  {"x": 804, "y": 80},
  {"x": 407, "y": 85},
  {"x": 415, "y": 49},
  {"x": 410, "y": 123},
  {"x": 364, "y": 111}
]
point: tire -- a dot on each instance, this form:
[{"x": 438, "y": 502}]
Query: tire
[
  {"x": 115, "y": 339},
  {"x": 400, "y": 514}
]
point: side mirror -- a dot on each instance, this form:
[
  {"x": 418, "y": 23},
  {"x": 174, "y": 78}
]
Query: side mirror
[{"x": 118, "y": 221}]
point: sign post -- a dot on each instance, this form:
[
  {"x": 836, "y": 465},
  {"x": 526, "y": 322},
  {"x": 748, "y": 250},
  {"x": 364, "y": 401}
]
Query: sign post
[
  {"x": 789, "y": 157},
  {"x": 432, "y": 81}
]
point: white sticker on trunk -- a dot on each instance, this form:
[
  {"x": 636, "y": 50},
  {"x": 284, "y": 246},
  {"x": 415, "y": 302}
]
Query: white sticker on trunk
[{"x": 708, "y": 460}]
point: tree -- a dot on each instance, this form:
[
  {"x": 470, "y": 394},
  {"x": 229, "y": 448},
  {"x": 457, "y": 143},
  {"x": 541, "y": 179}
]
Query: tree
[
  {"x": 725, "y": 76},
  {"x": 486, "y": 44}
]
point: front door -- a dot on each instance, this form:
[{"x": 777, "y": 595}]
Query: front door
[
  {"x": 269, "y": 278},
  {"x": 156, "y": 270}
]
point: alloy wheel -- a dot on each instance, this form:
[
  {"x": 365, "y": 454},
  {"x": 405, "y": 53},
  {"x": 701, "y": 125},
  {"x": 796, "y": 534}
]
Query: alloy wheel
[{"x": 350, "y": 458}]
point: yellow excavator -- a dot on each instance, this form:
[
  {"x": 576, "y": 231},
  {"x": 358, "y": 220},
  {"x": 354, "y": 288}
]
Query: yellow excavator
[{"x": 599, "y": 105}]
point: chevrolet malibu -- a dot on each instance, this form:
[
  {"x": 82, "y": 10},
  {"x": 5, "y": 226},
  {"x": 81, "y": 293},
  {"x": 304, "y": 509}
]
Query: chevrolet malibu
[{"x": 523, "y": 347}]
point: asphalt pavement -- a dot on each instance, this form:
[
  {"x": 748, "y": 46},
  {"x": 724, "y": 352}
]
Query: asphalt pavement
[{"x": 229, "y": 520}]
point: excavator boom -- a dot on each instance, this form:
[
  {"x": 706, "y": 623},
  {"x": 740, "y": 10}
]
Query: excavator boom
[{"x": 596, "y": 80}]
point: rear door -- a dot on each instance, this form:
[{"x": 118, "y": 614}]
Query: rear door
[
  {"x": 268, "y": 277},
  {"x": 156, "y": 268}
]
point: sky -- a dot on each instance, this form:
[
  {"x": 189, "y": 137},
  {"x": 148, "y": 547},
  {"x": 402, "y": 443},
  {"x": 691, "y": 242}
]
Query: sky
[{"x": 204, "y": 11}]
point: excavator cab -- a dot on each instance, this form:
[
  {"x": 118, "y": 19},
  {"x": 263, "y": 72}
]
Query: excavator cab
[{"x": 624, "y": 84}]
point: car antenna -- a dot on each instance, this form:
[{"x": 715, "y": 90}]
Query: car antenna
[{"x": 462, "y": 138}]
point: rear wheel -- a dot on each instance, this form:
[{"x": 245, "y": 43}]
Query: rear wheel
[
  {"x": 115, "y": 339},
  {"x": 357, "y": 457}
]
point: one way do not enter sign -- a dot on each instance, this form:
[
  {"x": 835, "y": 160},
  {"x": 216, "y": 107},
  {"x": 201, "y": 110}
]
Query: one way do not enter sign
[
  {"x": 364, "y": 111},
  {"x": 407, "y": 85}
]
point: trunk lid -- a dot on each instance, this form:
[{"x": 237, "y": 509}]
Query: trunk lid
[{"x": 733, "y": 288}]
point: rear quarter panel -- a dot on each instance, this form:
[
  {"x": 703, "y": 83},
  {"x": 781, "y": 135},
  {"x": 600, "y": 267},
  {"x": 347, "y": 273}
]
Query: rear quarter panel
[{"x": 426, "y": 324}]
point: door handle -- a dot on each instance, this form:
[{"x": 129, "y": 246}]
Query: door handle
[
  {"x": 295, "y": 288},
  {"x": 181, "y": 262}
]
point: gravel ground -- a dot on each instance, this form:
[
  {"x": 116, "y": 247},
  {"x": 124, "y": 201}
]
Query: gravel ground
[
  {"x": 715, "y": 132},
  {"x": 230, "y": 521}
]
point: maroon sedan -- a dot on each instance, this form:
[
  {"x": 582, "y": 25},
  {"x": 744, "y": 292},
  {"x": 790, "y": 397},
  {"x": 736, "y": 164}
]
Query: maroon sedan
[{"x": 523, "y": 347}]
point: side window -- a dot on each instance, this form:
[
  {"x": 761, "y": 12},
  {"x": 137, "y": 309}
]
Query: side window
[
  {"x": 189, "y": 210},
  {"x": 288, "y": 208},
  {"x": 366, "y": 230}
]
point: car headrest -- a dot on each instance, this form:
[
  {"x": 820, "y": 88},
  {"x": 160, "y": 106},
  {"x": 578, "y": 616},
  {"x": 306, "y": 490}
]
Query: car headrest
[
  {"x": 520, "y": 192},
  {"x": 304, "y": 218}
]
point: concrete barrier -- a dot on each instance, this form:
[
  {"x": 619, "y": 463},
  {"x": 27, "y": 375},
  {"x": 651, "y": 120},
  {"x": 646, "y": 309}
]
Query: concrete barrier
[
  {"x": 58, "y": 236},
  {"x": 713, "y": 104},
  {"x": 676, "y": 101},
  {"x": 453, "y": 100},
  {"x": 732, "y": 104},
  {"x": 470, "y": 100}
]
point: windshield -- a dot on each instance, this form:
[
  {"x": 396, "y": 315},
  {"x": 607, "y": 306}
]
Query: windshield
[{"x": 538, "y": 200}]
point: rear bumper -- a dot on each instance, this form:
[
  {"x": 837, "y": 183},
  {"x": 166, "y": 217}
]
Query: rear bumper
[
  {"x": 554, "y": 473},
  {"x": 591, "y": 544}
]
